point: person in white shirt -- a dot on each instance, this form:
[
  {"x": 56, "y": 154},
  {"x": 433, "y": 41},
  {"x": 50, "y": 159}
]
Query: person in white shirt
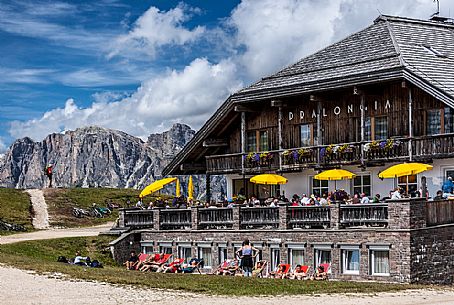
[
  {"x": 396, "y": 194},
  {"x": 80, "y": 260},
  {"x": 305, "y": 200},
  {"x": 364, "y": 198}
]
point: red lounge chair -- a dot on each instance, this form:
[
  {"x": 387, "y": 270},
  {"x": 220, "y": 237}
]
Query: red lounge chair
[
  {"x": 174, "y": 266},
  {"x": 258, "y": 270},
  {"x": 142, "y": 258},
  {"x": 303, "y": 274},
  {"x": 282, "y": 271},
  {"x": 156, "y": 264},
  {"x": 322, "y": 274}
]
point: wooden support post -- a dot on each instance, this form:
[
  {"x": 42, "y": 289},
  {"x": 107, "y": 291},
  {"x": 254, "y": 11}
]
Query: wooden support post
[
  {"x": 279, "y": 130},
  {"x": 319, "y": 129},
  {"x": 208, "y": 187},
  {"x": 243, "y": 139},
  {"x": 410, "y": 129},
  {"x": 363, "y": 121}
]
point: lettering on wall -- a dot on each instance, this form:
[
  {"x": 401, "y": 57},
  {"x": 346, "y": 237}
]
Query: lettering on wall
[{"x": 337, "y": 110}]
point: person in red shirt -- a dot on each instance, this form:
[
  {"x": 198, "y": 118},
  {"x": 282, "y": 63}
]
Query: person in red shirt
[{"x": 48, "y": 173}]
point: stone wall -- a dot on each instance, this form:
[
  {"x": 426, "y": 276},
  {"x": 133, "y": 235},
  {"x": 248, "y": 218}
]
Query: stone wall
[
  {"x": 397, "y": 241},
  {"x": 432, "y": 255}
]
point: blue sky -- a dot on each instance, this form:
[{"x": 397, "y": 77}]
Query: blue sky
[{"x": 140, "y": 66}]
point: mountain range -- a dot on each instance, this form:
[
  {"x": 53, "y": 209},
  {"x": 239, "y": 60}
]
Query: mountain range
[{"x": 98, "y": 157}]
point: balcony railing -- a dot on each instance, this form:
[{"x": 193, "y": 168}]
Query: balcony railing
[
  {"x": 309, "y": 217},
  {"x": 138, "y": 218},
  {"x": 215, "y": 218},
  {"x": 175, "y": 219},
  {"x": 427, "y": 147},
  {"x": 394, "y": 214},
  {"x": 364, "y": 215},
  {"x": 258, "y": 217}
]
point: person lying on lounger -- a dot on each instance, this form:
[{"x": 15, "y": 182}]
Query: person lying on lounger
[
  {"x": 299, "y": 273},
  {"x": 152, "y": 262},
  {"x": 320, "y": 274}
]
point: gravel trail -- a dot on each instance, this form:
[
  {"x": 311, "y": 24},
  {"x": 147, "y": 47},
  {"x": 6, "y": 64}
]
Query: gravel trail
[{"x": 41, "y": 219}]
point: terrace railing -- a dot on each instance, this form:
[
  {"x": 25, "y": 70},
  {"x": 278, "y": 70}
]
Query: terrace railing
[
  {"x": 215, "y": 218},
  {"x": 309, "y": 217},
  {"x": 259, "y": 218},
  {"x": 135, "y": 218},
  {"x": 363, "y": 215},
  {"x": 411, "y": 213},
  {"x": 175, "y": 219}
]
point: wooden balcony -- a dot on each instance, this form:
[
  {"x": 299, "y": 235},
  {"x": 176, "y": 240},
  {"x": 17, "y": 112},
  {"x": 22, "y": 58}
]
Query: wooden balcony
[
  {"x": 367, "y": 153},
  {"x": 395, "y": 214}
]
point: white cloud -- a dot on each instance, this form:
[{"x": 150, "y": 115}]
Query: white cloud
[
  {"x": 25, "y": 76},
  {"x": 188, "y": 96},
  {"x": 157, "y": 28},
  {"x": 2, "y": 147}
]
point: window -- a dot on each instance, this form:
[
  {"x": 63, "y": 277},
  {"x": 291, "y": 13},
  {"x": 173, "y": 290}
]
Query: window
[
  {"x": 379, "y": 262},
  {"x": 319, "y": 187},
  {"x": 185, "y": 252},
  {"x": 222, "y": 254},
  {"x": 205, "y": 253},
  {"x": 433, "y": 124},
  {"x": 322, "y": 256},
  {"x": 295, "y": 257},
  {"x": 257, "y": 140},
  {"x": 380, "y": 128},
  {"x": 367, "y": 129},
  {"x": 449, "y": 120},
  {"x": 350, "y": 261},
  {"x": 147, "y": 249},
  {"x": 165, "y": 249},
  {"x": 275, "y": 258},
  {"x": 308, "y": 134},
  {"x": 408, "y": 183},
  {"x": 361, "y": 184},
  {"x": 251, "y": 141}
]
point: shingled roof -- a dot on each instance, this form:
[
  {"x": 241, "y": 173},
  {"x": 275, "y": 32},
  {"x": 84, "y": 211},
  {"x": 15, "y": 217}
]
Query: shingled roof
[{"x": 419, "y": 51}]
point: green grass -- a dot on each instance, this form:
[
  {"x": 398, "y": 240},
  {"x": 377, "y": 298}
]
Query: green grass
[
  {"x": 15, "y": 207},
  {"x": 41, "y": 256},
  {"x": 61, "y": 201}
]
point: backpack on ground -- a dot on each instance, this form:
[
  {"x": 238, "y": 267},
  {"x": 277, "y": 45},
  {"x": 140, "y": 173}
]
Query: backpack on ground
[
  {"x": 96, "y": 264},
  {"x": 62, "y": 259}
]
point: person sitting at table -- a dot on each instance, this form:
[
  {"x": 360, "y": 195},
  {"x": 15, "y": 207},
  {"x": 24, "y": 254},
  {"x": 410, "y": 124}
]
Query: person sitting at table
[
  {"x": 439, "y": 195},
  {"x": 376, "y": 198},
  {"x": 304, "y": 200},
  {"x": 396, "y": 193},
  {"x": 355, "y": 199},
  {"x": 364, "y": 198}
]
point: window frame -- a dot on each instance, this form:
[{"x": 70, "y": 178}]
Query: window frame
[
  {"x": 372, "y": 251},
  {"x": 200, "y": 248},
  {"x": 275, "y": 261},
  {"x": 181, "y": 252},
  {"x": 345, "y": 263},
  {"x": 362, "y": 185},
  {"x": 295, "y": 247},
  {"x": 319, "y": 188},
  {"x": 318, "y": 256},
  {"x": 312, "y": 134}
]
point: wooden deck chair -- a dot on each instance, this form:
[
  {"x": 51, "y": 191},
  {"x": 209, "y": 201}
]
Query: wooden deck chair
[
  {"x": 321, "y": 274},
  {"x": 302, "y": 274},
  {"x": 193, "y": 265},
  {"x": 232, "y": 267},
  {"x": 173, "y": 267},
  {"x": 259, "y": 268},
  {"x": 282, "y": 271},
  {"x": 219, "y": 270}
]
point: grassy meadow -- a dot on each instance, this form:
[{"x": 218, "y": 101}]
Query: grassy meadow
[{"x": 41, "y": 256}]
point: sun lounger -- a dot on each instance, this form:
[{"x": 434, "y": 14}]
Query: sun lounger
[
  {"x": 156, "y": 264},
  {"x": 193, "y": 265},
  {"x": 282, "y": 271},
  {"x": 301, "y": 274},
  {"x": 259, "y": 268},
  {"x": 173, "y": 267},
  {"x": 321, "y": 273}
]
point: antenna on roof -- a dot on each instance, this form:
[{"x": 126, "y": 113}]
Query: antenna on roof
[{"x": 438, "y": 9}]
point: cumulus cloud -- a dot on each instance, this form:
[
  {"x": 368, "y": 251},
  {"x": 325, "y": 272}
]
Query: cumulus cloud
[
  {"x": 157, "y": 28},
  {"x": 265, "y": 36},
  {"x": 188, "y": 96},
  {"x": 2, "y": 147}
]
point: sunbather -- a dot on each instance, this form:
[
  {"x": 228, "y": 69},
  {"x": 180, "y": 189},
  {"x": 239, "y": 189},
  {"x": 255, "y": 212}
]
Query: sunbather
[
  {"x": 258, "y": 269},
  {"x": 300, "y": 272},
  {"x": 151, "y": 263},
  {"x": 193, "y": 265},
  {"x": 281, "y": 272},
  {"x": 320, "y": 274},
  {"x": 81, "y": 260},
  {"x": 173, "y": 267}
]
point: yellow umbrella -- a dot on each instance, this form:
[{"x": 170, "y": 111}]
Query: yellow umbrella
[
  {"x": 335, "y": 174},
  {"x": 269, "y": 179},
  {"x": 156, "y": 186},
  {"x": 190, "y": 189},
  {"x": 404, "y": 169},
  {"x": 177, "y": 191}
]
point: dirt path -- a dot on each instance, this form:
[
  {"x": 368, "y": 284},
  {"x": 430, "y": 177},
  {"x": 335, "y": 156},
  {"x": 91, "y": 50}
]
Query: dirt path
[
  {"x": 53, "y": 289},
  {"x": 55, "y": 233},
  {"x": 41, "y": 219}
]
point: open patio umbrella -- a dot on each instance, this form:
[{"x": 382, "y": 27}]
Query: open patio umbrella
[
  {"x": 190, "y": 189},
  {"x": 177, "y": 188},
  {"x": 335, "y": 174},
  {"x": 404, "y": 169},
  {"x": 268, "y": 179},
  {"x": 156, "y": 186}
]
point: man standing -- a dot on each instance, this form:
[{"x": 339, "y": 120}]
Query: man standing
[{"x": 48, "y": 173}]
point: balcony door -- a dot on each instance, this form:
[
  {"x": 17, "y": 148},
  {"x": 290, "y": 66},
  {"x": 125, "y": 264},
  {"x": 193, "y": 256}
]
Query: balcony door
[{"x": 257, "y": 140}]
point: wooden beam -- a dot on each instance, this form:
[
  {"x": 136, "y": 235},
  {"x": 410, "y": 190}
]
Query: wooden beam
[
  {"x": 215, "y": 142},
  {"x": 192, "y": 167},
  {"x": 241, "y": 108}
]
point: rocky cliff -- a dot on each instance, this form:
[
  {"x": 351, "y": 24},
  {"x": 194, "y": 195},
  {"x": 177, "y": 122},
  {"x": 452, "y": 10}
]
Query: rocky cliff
[{"x": 96, "y": 157}]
